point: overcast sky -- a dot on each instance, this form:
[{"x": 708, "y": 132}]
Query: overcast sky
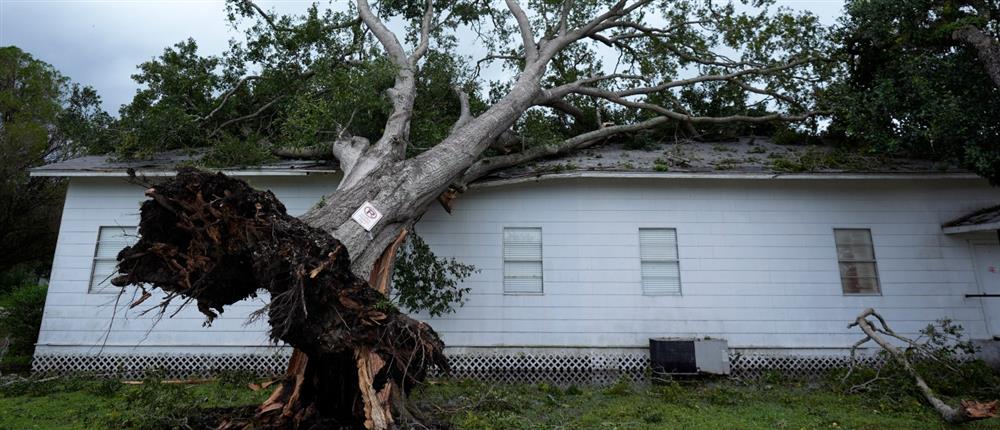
[{"x": 100, "y": 42}]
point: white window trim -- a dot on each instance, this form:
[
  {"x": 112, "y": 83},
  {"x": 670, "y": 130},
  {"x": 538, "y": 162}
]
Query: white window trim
[
  {"x": 503, "y": 261},
  {"x": 874, "y": 261},
  {"x": 95, "y": 259},
  {"x": 677, "y": 251}
]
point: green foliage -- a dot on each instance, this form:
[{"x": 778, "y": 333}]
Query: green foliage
[
  {"x": 20, "y": 319},
  {"x": 231, "y": 152},
  {"x": 942, "y": 359},
  {"x": 911, "y": 89},
  {"x": 299, "y": 80},
  {"x": 19, "y": 275},
  {"x": 421, "y": 281},
  {"x": 43, "y": 118}
]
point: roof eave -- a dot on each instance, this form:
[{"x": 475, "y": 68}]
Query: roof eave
[
  {"x": 166, "y": 173},
  {"x": 728, "y": 175},
  {"x": 972, "y": 228}
]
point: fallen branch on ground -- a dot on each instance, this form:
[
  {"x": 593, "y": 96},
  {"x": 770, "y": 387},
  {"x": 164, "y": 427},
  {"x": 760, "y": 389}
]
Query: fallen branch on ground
[{"x": 968, "y": 410}]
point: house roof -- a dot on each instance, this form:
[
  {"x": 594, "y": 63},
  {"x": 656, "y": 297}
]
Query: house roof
[
  {"x": 986, "y": 219},
  {"x": 746, "y": 158},
  {"x": 166, "y": 164}
]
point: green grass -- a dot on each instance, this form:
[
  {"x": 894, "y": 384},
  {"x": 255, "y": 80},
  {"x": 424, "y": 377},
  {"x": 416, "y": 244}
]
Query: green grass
[
  {"x": 722, "y": 405},
  {"x": 87, "y": 404}
]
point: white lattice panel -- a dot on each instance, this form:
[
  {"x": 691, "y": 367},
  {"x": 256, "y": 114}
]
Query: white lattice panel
[{"x": 564, "y": 369}]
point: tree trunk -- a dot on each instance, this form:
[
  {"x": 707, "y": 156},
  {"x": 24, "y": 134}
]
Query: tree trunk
[
  {"x": 215, "y": 241},
  {"x": 987, "y": 49}
]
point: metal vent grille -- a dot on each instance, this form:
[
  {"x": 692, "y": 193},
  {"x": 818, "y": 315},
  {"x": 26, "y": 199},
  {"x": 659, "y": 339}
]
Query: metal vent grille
[{"x": 591, "y": 368}]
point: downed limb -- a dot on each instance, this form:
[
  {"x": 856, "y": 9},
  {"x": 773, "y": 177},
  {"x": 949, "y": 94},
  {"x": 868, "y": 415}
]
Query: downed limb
[
  {"x": 215, "y": 240},
  {"x": 968, "y": 410}
]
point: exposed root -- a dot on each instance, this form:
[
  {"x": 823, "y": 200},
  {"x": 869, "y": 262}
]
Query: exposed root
[
  {"x": 214, "y": 240},
  {"x": 968, "y": 410}
]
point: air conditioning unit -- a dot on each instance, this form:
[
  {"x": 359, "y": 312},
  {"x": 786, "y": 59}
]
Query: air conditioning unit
[{"x": 678, "y": 356}]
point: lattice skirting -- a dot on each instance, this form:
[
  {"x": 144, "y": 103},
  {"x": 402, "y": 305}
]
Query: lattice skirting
[
  {"x": 131, "y": 366},
  {"x": 593, "y": 368}
]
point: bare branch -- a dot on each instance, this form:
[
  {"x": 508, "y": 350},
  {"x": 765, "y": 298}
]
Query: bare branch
[
  {"x": 348, "y": 151},
  {"x": 386, "y": 37},
  {"x": 465, "y": 114},
  {"x": 579, "y": 86},
  {"x": 491, "y": 57},
  {"x": 267, "y": 18},
  {"x": 527, "y": 35},
  {"x": 425, "y": 30},
  {"x": 567, "y": 108},
  {"x": 564, "y": 16},
  {"x": 248, "y": 116},
  {"x": 279, "y": 28},
  {"x": 487, "y": 165},
  {"x": 226, "y": 96}
]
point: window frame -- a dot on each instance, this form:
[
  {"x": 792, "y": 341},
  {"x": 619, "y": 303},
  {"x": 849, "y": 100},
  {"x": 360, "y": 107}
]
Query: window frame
[
  {"x": 677, "y": 260},
  {"x": 91, "y": 288},
  {"x": 503, "y": 260},
  {"x": 873, "y": 262}
]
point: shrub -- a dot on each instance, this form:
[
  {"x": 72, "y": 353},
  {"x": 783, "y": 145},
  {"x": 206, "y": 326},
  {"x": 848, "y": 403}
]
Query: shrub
[{"x": 20, "y": 319}]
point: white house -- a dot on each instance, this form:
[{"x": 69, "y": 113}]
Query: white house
[{"x": 592, "y": 256}]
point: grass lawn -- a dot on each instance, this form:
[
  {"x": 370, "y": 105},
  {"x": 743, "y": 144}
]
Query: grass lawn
[{"x": 87, "y": 404}]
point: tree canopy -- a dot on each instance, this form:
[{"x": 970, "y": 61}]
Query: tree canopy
[
  {"x": 43, "y": 118},
  {"x": 295, "y": 83},
  {"x": 916, "y": 86}
]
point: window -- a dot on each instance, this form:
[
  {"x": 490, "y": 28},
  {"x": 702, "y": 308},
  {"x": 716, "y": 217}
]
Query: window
[
  {"x": 856, "y": 255},
  {"x": 660, "y": 267},
  {"x": 522, "y": 260},
  {"x": 110, "y": 240}
]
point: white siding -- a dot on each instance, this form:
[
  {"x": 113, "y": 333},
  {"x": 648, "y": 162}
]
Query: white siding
[
  {"x": 757, "y": 259},
  {"x": 81, "y": 322}
]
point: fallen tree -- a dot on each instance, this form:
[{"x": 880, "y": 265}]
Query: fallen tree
[
  {"x": 881, "y": 334},
  {"x": 214, "y": 240}
]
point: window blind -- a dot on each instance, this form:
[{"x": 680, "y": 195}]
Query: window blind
[
  {"x": 522, "y": 260},
  {"x": 110, "y": 240},
  {"x": 659, "y": 262}
]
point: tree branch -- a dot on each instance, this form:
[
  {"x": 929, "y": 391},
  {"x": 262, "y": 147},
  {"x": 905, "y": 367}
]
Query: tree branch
[
  {"x": 527, "y": 35},
  {"x": 465, "y": 114},
  {"x": 968, "y": 411},
  {"x": 425, "y": 30},
  {"x": 227, "y": 95},
  {"x": 248, "y": 116},
  {"x": 578, "y": 86},
  {"x": 491, "y": 164},
  {"x": 386, "y": 37},
  {"x": 987, "y": 48},
  {"x": 564, "y": 16}
]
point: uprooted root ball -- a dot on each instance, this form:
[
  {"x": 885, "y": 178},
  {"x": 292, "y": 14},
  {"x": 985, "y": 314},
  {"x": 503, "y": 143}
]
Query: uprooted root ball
[{"x": 215, "y": 240}]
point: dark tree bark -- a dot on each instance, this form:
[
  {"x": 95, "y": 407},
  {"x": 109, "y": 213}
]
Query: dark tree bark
[
  {"x": 214, "y": 240},
  {"x": 987, "y": 49}
]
